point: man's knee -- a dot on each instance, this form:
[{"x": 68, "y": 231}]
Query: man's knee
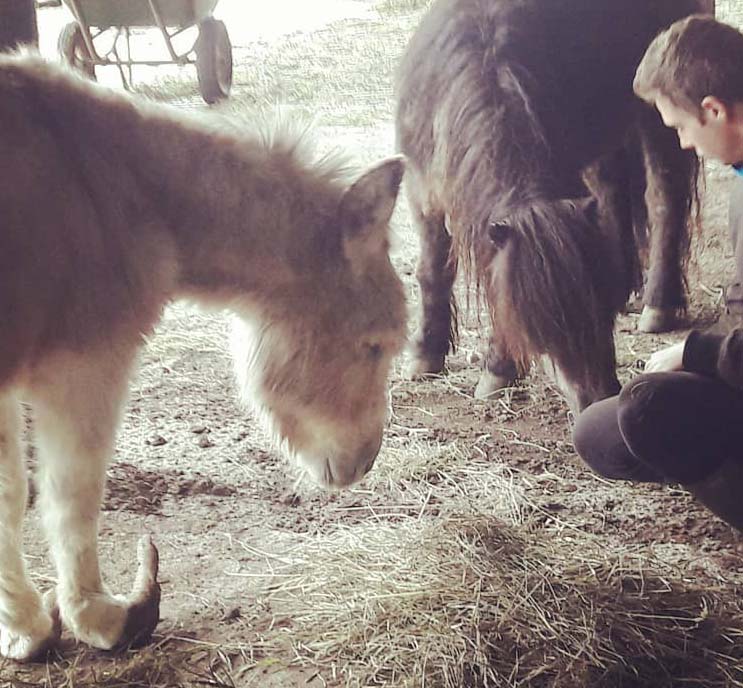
[
  {"x": 669, "y": 421},
  {"x": 597, "y": 441},
  {"x": 590, "y": 429},
  {"x": 638, "y": 395},
  {"x": 645, "y": 416}
]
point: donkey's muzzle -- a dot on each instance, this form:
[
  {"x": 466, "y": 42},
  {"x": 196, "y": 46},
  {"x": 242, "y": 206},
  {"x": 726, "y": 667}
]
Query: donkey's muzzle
[
  {"x": 369, "y": 454},
  {"x": 343, "y": 471}
]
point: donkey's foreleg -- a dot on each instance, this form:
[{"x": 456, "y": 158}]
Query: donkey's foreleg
[
  {"x": 77, "y": 412},
  {"x": 26, "y": 629},
  {"x": 436, "y": 271},
  {"x": 670, "y": 174}
]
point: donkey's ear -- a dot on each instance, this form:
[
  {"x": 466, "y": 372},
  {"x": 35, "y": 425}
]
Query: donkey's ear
[{"x": 366, "y": 208}]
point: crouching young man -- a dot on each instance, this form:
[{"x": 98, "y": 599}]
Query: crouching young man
[{"x": 682, "y": 420}]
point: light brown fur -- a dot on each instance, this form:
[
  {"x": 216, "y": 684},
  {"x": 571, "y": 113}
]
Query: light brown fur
[{"x": 109, "y": 209}]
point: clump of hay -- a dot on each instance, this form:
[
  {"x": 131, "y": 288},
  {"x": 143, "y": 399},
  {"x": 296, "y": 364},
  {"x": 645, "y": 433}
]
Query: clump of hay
[{"x": 468, "y": 600}]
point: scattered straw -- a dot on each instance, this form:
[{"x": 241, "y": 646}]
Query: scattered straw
[{"x": 472, "y": 601}]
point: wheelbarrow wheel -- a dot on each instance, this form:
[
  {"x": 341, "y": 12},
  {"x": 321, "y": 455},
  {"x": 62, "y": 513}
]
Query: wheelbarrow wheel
[
  {"x": 72, "y": 49},
  {"x": 213, "y": 60}
]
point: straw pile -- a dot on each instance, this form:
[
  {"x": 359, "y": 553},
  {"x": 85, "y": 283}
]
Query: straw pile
[{"x": 468, "y": 600}]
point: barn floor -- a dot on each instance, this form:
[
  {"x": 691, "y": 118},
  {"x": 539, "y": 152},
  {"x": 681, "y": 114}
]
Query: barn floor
[{"x": 232, "y": 520}]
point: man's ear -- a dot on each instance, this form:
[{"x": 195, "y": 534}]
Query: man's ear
[{"x": 715, "y": 109}]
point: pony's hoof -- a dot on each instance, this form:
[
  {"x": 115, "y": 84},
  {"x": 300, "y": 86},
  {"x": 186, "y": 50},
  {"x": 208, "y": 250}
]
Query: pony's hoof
[
  {"x": 423, "y": 366},
  {"x": 35, "y": 644},
  {"x": 653, "y": 320},
  {"x": 489, "y": 384}
]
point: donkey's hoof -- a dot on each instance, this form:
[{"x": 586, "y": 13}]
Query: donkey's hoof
[
  {"x": 654, "y": 320},
  {"x": 33, "y": 644},
  {"x": 423, "y": 366},
  {"x": 116, "y": 623},
  {"x": 144, "y": 601},
  {"x": 489, "y": 384}
]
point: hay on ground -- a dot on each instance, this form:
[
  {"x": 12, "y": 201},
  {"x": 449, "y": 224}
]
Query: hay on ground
[{"x": 468, "y": 600}]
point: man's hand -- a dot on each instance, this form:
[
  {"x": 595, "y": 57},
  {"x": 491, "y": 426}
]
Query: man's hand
[{"x": 666, "y": 360}]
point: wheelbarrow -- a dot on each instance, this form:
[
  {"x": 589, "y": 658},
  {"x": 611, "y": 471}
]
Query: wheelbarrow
[{"x": 211, "y": 52}]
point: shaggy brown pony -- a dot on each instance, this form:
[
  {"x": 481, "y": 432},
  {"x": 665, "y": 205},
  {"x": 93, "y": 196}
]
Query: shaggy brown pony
[
  {"x": 531, "y": 159},
  {"x": 109, "y": 209}
]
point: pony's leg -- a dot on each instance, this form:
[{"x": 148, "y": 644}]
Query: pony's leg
[
  {"x": 77, "y": 405},
  {"x": 670, "y": 172},
  {"x": 26, "y": 629},
  {"x": 611, "y": 181},
  {"x": 436, "y": 271}
]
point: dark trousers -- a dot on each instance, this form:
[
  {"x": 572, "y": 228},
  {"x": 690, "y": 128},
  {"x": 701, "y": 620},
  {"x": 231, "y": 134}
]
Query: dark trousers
[{"x": 663, "y": 427}]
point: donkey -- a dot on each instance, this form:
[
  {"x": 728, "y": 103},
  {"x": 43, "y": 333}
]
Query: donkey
[
  {"x": 528, "y": 159},
  {"x": 109, "y": 209}
]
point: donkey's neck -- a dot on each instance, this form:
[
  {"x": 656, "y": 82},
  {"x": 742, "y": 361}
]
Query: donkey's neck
[
  {"x": 170, "y": 199},
  {"x": 243, "y": 215}
]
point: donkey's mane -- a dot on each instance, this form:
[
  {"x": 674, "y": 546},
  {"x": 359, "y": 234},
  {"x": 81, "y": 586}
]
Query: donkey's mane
[
  {"x": 193, "y": 170},
  {"x": 296, "y": 139},
  {"x": 265, "y": 133}
]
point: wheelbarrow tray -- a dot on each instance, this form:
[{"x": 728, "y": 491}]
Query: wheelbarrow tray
[{"x": 107, "y": 13}]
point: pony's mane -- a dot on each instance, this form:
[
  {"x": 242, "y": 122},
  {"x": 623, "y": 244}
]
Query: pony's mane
[{"x": 497, "y": 162}]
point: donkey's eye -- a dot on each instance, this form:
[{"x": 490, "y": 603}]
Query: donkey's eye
[{"x": 373, "y": 351}]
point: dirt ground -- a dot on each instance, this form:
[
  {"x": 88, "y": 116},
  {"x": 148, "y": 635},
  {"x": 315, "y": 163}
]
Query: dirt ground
[{"x": 227, "y": 513}]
